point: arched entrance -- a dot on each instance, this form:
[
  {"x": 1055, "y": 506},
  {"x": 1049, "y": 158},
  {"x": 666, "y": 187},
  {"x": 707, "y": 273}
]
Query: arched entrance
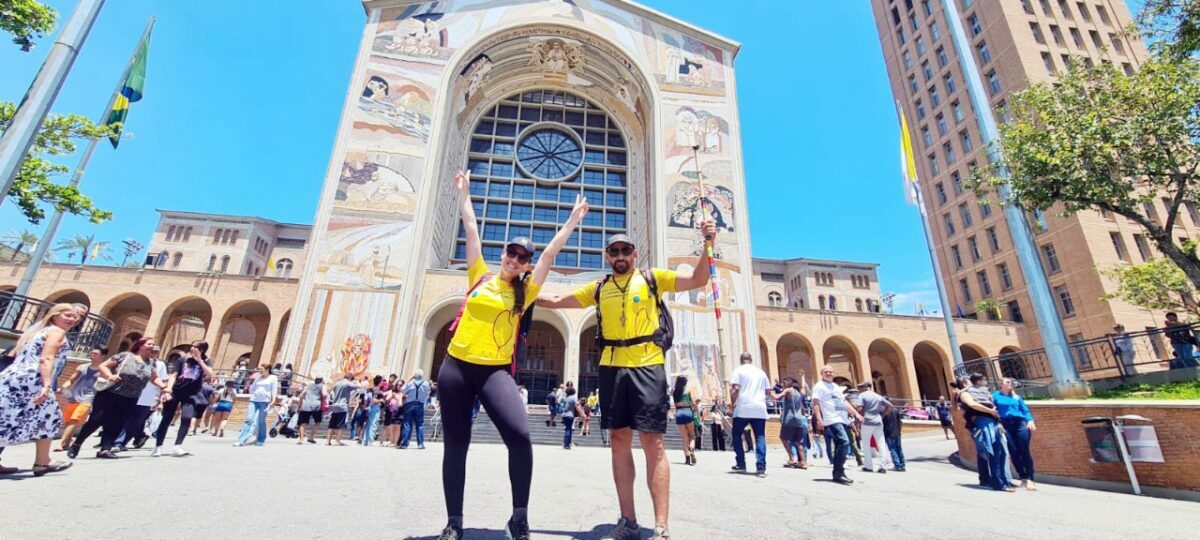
[
  {"x": 130, "y": 314},
  {"x": 69, "y": 296},
  {"x": 888, "y": 369},
  {"x": 1011, "y": 365},
  {"x": 184, "y": 321},
  {"x": 542, "y": 370},
  {"x": 970, "y": 351},
  {"x": 795, "y": 354},
  {"x": 930, "y": 362},
  {"x": 841, "y": 354},
  {"x": 243, "y": 331},
  {"x": 589, "y": 362},
  {"x": 280, "y": 335}
]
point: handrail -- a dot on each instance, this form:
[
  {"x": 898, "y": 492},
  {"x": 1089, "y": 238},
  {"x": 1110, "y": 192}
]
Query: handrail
[{"x": 18, "y": 313}]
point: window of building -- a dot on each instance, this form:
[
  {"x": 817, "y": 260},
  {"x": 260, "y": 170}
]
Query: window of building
[
  {"x": 949, "y": 222},
  {"x": 1066, "y": 10},
  {"x": 1096, "y": 41},
  {"x": 994, "y": 83},
  {"x": 1036, "y": 30},
  {"x": 993, "y": 240},
  {"x": 985, "y": 208},
  {"x": 1048, "y": 61},
  {"x": 178, "y": 258},
  {"x": 235, "y": 236},
  {"x": 973, "y": 244},
  {"x": 926, "y": 137},
  {"x": 1005, "y": 278},
  {"x": 954, "y": 254},
  {"x": 1127, "y": 68},
  {"x": 920, "y": 46},
  {"x": 950, "y": 86},
  {"x": 908, "y": 61},
  {"x": 1149, "y": 210},
  {"x": 912, "y": 20},
  {"x": 958, "y": 111},
  {"x": 965, "y": 138},
  {"x": 187, "y": 234},
  {"x": 171, "y": 233},
  {"x": 858, "y": 305},
  {"x": 964, "y": 210},
  {"x": 1014, "y": 312},
  {"x": 1039, "y": 222},
  {"x": 1116, "y": 43},
  {"x": 224, "y": 264},
  {"x": 774, "y": 299},
  {"x": 956, "y": 179},
  {"x": 948, "y": 149},
  {"x": 1076, "y": 37},
  {"x": 934, "y": 97},
  {"x": 912, "y": 84},
  {"x": 1119, "y": 246},
  {"x": 985, "y": 55},
  {"x": 934, "y": 167},
  {"x": 942, "y": 127},
  {"x": 1051, "y": 258},
  {"x": 927, "y": 71},
  {"x": 940, "y": 188},
  {"x": 212, "y": 263},
  {"x": 926, "y": 8},
  {"x": 1065, "y": 304},
  {"x": 216, "y": 239},
  {"x": 973, "y": 23},
  {"x": 1024, "y": 5},
  {"x": 1191, "y": 210},
  {"x": 935, "y": 33},
  {"x": 985, "y": 286},
  {"x": 1083, "y": 11},
  {"x": 597, "y": 160},
  {"x": 965, "y": 287},
  {"x": 283, "y": 268},
  {"x": 920, "y": 110},
  {"x": 1046, "y": 7},
  {"x": 1056, "y": 33},
  {"x": 942, "y": 59}
]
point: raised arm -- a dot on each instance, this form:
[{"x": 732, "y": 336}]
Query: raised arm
[
  {"x": 462, "y": 182},
  {"x": 565, "y": 300},
  {"x": 698, "y": 275},
  {"x": 560, "y": 239}
]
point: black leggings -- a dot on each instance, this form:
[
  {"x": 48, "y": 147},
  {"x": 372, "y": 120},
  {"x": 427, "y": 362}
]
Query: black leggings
[
  {"x": 459, "y": 383},
  {"x": 108, "y": 410},
  {"x": 168, "y": 414}
]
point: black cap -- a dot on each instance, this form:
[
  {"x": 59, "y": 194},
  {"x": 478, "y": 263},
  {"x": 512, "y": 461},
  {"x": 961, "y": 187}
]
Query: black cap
[
  {"x": 620, "y": 239},
  {"x": 524, "y": 243}
]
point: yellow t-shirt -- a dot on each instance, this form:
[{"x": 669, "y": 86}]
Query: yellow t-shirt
[
  {"x": 486, "y": 333},
  {"x": 641, "y": 316}
]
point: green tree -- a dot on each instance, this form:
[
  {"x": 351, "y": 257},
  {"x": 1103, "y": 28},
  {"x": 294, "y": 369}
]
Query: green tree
[
  {"x": 1171, "y": 26},
  {"x": 989, "y": 306},
  {"x": 21, "y": 238},
  {"x": 1158, "y": 284},
  {"x": 85, "y": 247},
  {"x": 1102, "y": 140},
  {"x": 26, "y": 20},
  {"x": 33, "y": 187}
]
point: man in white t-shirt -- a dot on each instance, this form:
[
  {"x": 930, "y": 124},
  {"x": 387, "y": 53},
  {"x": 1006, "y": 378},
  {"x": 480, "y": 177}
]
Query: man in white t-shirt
[
  {"x": 134, "y": 433},
  {"x": 748, "y": 392},
  {"x": 833, "y": 418}
]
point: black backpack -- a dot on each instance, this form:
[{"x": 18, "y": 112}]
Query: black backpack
[{"x": 664, "y": 336}]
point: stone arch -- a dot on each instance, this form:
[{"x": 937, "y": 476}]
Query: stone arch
[
  {"x": 795, "y": 355},
  {"x": 436, "y": 335},
  {"x": 185, "y": 320},
  {"x": 930, "y": 360},
  {"x": 130, "y": 314},
  {"x": 888, "y": 368},
  {"x": 69, "y": 296},
  {"x": 243, "y": 330},
  {"x": 280, "y": 334},
  {"x": 842, "y": 354},
  {"x": 589, "y": 356},
  {"x": 971, "y": 351},
  {"x": 1011, "y": 365},
  {"x": 544, "y": 367}
]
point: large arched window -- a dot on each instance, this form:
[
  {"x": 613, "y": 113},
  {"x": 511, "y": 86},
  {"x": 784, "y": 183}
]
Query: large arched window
[
  {"x": 178, "y": 258},
  {"x": 774, "y": 299},
  {"x": 821, "y": 300},
  {"x": 530, "y": 156},
  {"x": 283, "y": 268},
  {"x": 224, "y": 264},
  {"x": 212, "y": 262}
]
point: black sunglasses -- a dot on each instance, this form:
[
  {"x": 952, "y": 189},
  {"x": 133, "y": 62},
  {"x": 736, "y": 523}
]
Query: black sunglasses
[
  {"x": 619, "y": 251},
  {"x": 519, "y": 254}
]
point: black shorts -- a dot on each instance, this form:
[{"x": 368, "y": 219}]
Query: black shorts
[
  {"x": 309, "y": 417},
  {"x": 634, "y": 398},
  {"x": 337, "y": 420}
]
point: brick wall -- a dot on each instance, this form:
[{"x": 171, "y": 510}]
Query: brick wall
[{"x": 1060, "y": 447}]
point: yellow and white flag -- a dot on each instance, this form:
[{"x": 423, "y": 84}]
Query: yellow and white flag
[{"x": 908, "y": 164}]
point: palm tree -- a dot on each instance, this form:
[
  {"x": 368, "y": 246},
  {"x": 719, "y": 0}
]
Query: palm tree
[
  {"x": 21, "y": 238},
  {"x": 85, "y": 246}
]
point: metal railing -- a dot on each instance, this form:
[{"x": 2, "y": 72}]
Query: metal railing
[
  {"x": 1112, "y": 355},
  {"x": 17, "y": 313}
]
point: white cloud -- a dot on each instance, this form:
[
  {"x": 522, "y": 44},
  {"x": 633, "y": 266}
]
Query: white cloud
[{"x": 912, "y": 296}]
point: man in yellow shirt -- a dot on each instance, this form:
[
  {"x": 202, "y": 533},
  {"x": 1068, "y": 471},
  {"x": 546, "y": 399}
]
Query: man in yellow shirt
[{"x": 633, "y": 379}]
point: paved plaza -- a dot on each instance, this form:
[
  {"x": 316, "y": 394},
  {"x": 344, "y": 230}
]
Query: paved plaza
[{"x": 288, "y": 491}]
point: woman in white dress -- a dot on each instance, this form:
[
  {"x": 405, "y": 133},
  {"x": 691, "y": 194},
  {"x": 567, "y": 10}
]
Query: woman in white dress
[{"x": 28, "y": 408}]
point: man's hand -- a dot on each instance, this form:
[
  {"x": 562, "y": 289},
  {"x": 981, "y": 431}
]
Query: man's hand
[
  {"x": 708, "y": 229},
  {"x": 462, "y": 183}
]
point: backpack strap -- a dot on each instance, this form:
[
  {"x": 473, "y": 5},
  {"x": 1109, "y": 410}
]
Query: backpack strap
[
  {"x": 602, "y": 341},
  {"x": 462, "y": 308}
]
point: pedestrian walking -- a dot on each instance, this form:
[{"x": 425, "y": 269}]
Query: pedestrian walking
[
  {"x": 944, "y": 417},
  {"x": 749, "y": 387},
  {"x": 339, "y": 408},
  {"x": 570, "y": 411},
  {"x": 285, "y": 379},
  {"x": 1018, "y": 424},
  {"x": 892, "y": 426},
  {"x": 685, "y": 417},
  {"x": 79, "y": 391},
  {"x": 125, "y": 376},
  {"x": 716, "y": 426},
  {"x": 222, "y": 409},
  {"x": 833, "y": 420},
  {"x": 393, "y": 414},
  {"x": 873, "y": 407},
  {"x": 184, "y": 394},
  {"x": 1183, "y": 342},
  {"x": 28, "y": 410},
  {"x": 981, "y": 415},
  {"x": 634, "y": 331},
  {"x": 374, "y": 399},
  {"x": 416, "y": 394},
  {"x": 552, "y": 406},
  {"x": 586, "y": 410},
  {"x": 310, "y": 409},
  {"x": 480, "y": 355},
  {"x": 793, "y": 423},
  {"x": 264, "y": 391}
]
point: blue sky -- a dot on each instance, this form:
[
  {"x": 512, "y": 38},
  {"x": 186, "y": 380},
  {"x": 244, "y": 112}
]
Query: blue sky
[{"x": 242, "y": 102}]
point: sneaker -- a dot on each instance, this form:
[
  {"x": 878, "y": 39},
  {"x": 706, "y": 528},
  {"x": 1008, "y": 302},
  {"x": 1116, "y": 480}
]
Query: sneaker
[
  {"x": 157, "y": 452},
  {"x": 882, "y": 470},
  {"x": 451, "y": 532},
  {"x": 738, "y": 468},
  {"x": 661, "y": 533},
  {"x": 625, "y": 530},
  {"x": 180, "y": 452},
  {"x": 122, "y": 448},
  {"x": 73, "y": 452},
  {"x": 517, "y": 530},
  {"x": 844, "y": 480},
  {"x": 761, "y": 474}
]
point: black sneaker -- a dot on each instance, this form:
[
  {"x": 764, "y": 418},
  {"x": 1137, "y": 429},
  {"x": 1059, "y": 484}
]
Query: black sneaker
[
  {"x": 73, "y": 451},
  {"x": 517, "y": 530},
  {"x": 761, "y": 474},
  {"x": 625, "y": 530},
  {"x": 451, "y": 532},
  {"x": 737, "y": 468},
  {"x": 844, "y": 480}
]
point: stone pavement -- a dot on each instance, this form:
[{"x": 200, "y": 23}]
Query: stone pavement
[{"x": 284, "y": 490}]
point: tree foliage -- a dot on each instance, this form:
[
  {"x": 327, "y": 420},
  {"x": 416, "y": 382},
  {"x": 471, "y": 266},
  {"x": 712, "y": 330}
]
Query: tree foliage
[
  {"x": 1158, "y": 284},
  {"x": 84, "y": 246},
  {"x": 20, "y": 240},
  {"x": 26, "y": 20},
  {"x": 33, "y": 188},
  {"x": 1171, "y": 26},
  {"x": 990, "y": 307},
  {"x": 1102, "y": 140}
]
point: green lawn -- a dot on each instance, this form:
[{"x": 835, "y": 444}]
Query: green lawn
[{"x": 1176, "y": 390}]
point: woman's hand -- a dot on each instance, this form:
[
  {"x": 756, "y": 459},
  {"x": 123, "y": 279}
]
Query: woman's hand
[
  {"x": 42, "y": 396},
  {"x": 114, "y": 379},
  {"x": 580, "y": 209},
  {"x": 1031, "y": 426},
  {"x": 462, "y": 183}
]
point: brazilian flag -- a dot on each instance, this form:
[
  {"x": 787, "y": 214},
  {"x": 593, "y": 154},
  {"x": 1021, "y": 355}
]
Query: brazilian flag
[{"x": 130, "y": 90}]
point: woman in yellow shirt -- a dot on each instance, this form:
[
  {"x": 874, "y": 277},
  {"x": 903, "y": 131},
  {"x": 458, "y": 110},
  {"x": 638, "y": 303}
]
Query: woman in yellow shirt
[{"x": 479, "y": 355}]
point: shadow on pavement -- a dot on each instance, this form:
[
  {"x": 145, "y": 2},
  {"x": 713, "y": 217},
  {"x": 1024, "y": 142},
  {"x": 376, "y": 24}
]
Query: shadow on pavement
[{"x": 596, "y": 533}]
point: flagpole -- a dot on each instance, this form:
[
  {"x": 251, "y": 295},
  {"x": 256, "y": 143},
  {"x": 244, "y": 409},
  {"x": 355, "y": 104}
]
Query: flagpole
[
  {"x": 31, "y": 113},
  {"x": 35, "y": 260}
]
